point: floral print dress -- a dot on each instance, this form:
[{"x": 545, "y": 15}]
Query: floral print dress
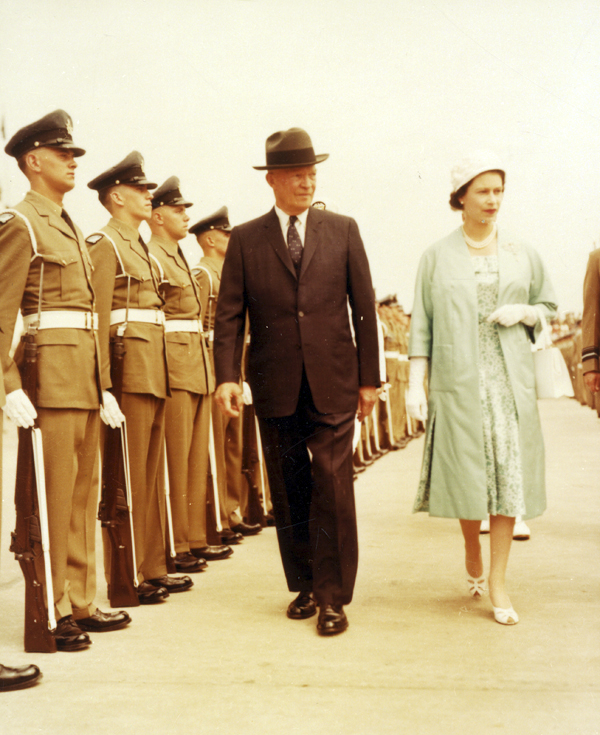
[{"x": 504, "y": 475}]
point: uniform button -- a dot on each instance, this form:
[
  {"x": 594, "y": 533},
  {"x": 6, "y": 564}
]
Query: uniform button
[{"x": 300, "y": 313}]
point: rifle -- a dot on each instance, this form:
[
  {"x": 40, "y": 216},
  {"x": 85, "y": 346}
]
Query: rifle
[
  {"x": 30, "y": 537},
  {"x": 115, "y": 511},
  {"x": 250, "y": 458}
]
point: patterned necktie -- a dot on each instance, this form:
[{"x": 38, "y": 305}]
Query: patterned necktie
[{"x": 294, "y": 242}]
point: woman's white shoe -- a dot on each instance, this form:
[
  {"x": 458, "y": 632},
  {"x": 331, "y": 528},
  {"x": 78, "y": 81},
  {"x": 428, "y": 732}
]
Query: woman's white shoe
[
  {"x": 505, "y": 616},
  {"x": 477, "y": 587}
]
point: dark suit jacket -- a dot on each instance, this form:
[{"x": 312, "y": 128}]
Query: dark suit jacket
[{"x": 298, "y": 322}]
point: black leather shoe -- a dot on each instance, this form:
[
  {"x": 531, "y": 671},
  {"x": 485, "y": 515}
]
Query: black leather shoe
[
  {"x": 304, "y": 606},
  {"x": 101, "y": 621},
  {"x": 332, "y": 620},
  {"x": 18, "y": 677},
  {"x": 187, "y": 562},
  {"x": 270, "y": 519},
  {"x": 229, "y": 537},
  {"x": 247, "y": 529},
  {"x": 213, "y": 553},
  {"x": 172, "y": 584},
  {"x": 150, "y": 594},
  {"x": 69, "y": 636}
]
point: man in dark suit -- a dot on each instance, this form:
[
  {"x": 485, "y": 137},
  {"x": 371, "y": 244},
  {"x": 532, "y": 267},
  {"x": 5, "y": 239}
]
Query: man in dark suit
[{"x": 294, "y": 271}]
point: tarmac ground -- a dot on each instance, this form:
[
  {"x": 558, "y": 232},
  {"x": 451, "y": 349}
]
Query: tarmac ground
[{"x": 420, "y": 656}]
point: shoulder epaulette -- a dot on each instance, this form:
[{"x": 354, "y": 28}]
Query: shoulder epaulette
[
  {"x": 11, "y": 213},
  {"x": 6, "y": 217}
]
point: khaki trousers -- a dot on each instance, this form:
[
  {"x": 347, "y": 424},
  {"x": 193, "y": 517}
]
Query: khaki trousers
[
  {"x": 70, "y": 439},
  {"x": 145, "y": 436},
  {"x": 186, "y": 434}
]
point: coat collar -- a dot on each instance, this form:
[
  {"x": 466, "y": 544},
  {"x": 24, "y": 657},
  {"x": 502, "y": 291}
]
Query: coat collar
[
  {"x": 51, "y": 211},
  {"x": 126, "y": 231},
  {"x": 275, "y": 237}
]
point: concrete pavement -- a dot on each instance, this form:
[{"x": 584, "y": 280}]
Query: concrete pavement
[{"x": 420, "y": 655}]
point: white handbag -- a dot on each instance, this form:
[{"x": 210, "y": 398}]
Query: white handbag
[{"x": 552, "y": 379}]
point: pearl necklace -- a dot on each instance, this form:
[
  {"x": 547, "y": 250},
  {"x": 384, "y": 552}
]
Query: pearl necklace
[{"x": 480, "y": 245}]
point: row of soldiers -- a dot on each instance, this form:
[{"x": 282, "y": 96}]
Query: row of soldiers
[
  {"x": 120, "y": 334},
  {"x": 120, "y": 331},
  {"x": 388, "y": 427}
]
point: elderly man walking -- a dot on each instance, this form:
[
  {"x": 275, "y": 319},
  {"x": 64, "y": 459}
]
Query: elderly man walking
[{"x": 294, "y": 271}]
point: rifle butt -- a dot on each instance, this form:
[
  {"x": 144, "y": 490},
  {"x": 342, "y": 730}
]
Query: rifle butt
[
  {"x": 121, "y": 591},
  {"x": 38, "y": 637}
]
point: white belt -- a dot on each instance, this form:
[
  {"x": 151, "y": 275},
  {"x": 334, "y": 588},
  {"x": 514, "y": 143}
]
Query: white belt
[
  {"x": 183, "y": 325},
  {"x": 149, "y": 316},
  {"x": 403, "y": 358},
  {"x": 392, "y": 354},
  {"x": 63, "y": 320}
]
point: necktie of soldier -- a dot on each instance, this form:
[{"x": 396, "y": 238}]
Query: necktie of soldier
[
  {"x": 294, "y": 242},
  {"x": 69, "y": 221}
]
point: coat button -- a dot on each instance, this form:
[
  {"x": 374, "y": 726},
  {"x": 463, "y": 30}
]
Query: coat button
[{"x": 300, "y": 313}]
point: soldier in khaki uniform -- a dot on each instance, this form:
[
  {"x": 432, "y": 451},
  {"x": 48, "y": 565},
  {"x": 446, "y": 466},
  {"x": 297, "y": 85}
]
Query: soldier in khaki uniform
[
  {"x": 43, "y": 258},
  {"x": 191, "y": 378},
  {"x": 212, "y": 234},
  {"x": 128, "y": 299},
  {"x": 590, "y": 324}
]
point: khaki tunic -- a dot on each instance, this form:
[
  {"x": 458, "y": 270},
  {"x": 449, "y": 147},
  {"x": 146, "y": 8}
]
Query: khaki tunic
[
  {"x": 228, "y": 430},
  {"x": 123, "y": 276},
  {"x": 191, "y": 378},
  {"x": 69, "y": 385}
]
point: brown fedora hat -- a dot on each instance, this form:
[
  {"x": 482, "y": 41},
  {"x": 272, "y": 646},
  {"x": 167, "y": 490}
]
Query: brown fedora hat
[{"x": 290, "y": 149}]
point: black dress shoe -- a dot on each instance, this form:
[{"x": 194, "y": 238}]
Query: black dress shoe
[
  {"x": 270, "y": 519},
  {"x": 69, "y": 636},
  {"x": 247, "y": 529},
  {"x": 332, "y": 620},
  {"x": 149, "y": 594},
  {"x": 213, "y": 553},
  {"x": 229, "y": 537},
  {"x": 18, "y": 677},
  {"x": 101, "y": 621},
  {"x": 172, "y": 584},
  {"x": 187, "y": 562},
  {"x": 304, "y": 606}
]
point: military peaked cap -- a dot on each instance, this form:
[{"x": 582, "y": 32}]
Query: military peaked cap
[
  {"x": 54, "y": 130},
  {"x": 129, "y": 171},
  {"x": 219, "y": 220},
  {"x": 290, "y": 149},
  {"x": 169, "y": 194}
]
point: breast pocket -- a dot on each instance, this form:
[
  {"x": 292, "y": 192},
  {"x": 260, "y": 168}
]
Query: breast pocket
[{"x": 62, "y": 274}]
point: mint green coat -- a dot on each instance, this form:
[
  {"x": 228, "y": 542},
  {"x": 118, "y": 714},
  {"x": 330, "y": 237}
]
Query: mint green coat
[{"x": 444, "y": 328}]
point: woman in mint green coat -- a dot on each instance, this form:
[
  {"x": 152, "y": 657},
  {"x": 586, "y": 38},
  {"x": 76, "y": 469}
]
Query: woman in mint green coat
[{"x": 479, "y": 296}]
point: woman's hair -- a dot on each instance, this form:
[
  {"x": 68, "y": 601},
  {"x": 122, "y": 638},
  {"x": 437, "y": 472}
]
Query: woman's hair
[{"x": 459, "y": 193}]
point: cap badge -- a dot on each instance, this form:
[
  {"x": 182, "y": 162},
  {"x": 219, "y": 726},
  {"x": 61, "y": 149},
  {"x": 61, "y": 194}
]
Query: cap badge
[{"x": 69, "y": 126}]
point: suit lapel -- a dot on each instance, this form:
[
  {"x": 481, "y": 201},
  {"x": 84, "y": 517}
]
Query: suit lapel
[
  {"x": 275, "y": 237},
  {"x": 311, "y": 239}
]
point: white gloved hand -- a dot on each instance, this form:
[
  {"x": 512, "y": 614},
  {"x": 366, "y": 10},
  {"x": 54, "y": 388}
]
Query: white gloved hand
[
  {"x": 511, "y": 314},
  {"x": 20, "y": 409},
  {"x": 416, "y": 400},
  {"x": 110, "y": 412},
  {"x": 246, "y": 394}
]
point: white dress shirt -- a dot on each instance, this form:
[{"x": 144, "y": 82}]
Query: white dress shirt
[{"x": 284, "y": 221}]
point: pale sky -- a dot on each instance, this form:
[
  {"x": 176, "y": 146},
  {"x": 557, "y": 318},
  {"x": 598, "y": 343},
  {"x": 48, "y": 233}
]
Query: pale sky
[{"x": 394, "y": 90}]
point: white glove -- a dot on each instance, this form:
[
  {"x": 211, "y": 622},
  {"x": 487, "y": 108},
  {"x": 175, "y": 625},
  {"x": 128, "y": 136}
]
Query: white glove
[
  {"x": 511, "y": 314},
  {"x": 110, "y": 412},
  {"x": 20, "y": 409},
  {"x": 246, "y": 394},
  {"x": 416, "y": 400}
]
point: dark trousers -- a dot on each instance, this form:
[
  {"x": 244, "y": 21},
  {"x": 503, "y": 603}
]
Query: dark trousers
[{"x": 309, "y": 463}]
